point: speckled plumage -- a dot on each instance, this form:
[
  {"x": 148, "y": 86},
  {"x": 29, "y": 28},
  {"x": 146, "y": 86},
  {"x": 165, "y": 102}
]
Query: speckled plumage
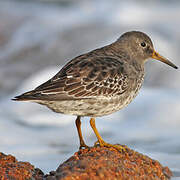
[
  {"x": 95, "y": 86},
  {"x": 100, "y": 82}
]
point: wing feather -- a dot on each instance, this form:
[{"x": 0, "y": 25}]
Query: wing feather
[{"x": 85, "y": 78}]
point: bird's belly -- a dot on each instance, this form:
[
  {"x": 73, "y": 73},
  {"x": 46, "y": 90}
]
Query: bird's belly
[{"x": 89, "y": 107}]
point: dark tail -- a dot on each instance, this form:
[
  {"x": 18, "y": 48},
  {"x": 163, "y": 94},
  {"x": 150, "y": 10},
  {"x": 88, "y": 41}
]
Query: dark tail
[{"x": 31, "y": 95}]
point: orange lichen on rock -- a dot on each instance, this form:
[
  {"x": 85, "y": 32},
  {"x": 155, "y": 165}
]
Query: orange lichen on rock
[
  {"x": 10, "y": 168},
  {"x": 108, "y": 163},
  {"x": 96, "y": 163}
]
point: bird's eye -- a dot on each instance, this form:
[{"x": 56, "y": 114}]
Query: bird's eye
[{"x": 143, "y": 44}]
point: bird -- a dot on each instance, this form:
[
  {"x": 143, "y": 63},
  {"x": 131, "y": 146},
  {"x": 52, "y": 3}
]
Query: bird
[{"x": 99, "y": 82}]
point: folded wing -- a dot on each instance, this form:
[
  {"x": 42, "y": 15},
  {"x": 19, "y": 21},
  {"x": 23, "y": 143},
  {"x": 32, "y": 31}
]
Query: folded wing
[{"x": 83, "y": 78}]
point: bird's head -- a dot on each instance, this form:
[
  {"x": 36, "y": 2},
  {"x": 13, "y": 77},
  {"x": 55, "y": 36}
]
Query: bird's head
[{"x": 140, "y": 47}]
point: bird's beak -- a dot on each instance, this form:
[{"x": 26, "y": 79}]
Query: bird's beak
[{"x": 157, "y": 56}]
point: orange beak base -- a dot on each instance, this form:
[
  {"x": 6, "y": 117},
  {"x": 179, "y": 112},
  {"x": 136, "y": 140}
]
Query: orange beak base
[{"x": 157, "y": 56}]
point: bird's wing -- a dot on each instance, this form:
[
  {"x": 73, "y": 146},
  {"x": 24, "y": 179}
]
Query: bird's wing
[{"x": 85, "y": 78}]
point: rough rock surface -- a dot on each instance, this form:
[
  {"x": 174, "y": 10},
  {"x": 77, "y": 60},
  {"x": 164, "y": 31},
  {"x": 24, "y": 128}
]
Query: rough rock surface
[
  {"x": 11, "y": 169},
  {"x": 108, "y": 163},
  {"x": 94, "y": 164}
]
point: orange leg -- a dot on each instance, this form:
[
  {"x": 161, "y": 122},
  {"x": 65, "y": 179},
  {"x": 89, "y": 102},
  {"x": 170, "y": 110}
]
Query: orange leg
[
  {"x": 78, "y": 125},
  {"x": 101, "y": 142}
]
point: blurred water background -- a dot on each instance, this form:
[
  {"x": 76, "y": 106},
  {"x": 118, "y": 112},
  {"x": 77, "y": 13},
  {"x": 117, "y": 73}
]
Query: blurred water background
[{"x": 37, "y": 37}]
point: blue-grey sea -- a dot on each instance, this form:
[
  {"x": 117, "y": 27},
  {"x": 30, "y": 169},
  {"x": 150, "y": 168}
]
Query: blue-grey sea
[{"x": 37, "y": 37}]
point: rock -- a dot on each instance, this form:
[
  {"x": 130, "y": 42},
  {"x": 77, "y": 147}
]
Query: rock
[
  {"x": 95, "y": 163},
  {"x": 108, "y": 163},
  {"x": 11, "y": 169}
]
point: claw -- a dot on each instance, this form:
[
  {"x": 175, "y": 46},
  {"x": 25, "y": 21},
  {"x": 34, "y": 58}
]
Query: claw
[
  {"x": 83, "y": 146},
  {"x": 101, "y": 142},
  {"x": 121, "y": 148},
  {"x": 96, "y": 144}
]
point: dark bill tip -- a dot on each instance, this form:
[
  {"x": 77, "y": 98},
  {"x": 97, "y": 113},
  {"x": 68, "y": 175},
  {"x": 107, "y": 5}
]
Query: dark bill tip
[{"x": 157, "y": 56}]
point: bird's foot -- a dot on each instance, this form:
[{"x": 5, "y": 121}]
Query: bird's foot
[
  {"x": 121, "y": 148},
  {"x": 83, "y": 146}
]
